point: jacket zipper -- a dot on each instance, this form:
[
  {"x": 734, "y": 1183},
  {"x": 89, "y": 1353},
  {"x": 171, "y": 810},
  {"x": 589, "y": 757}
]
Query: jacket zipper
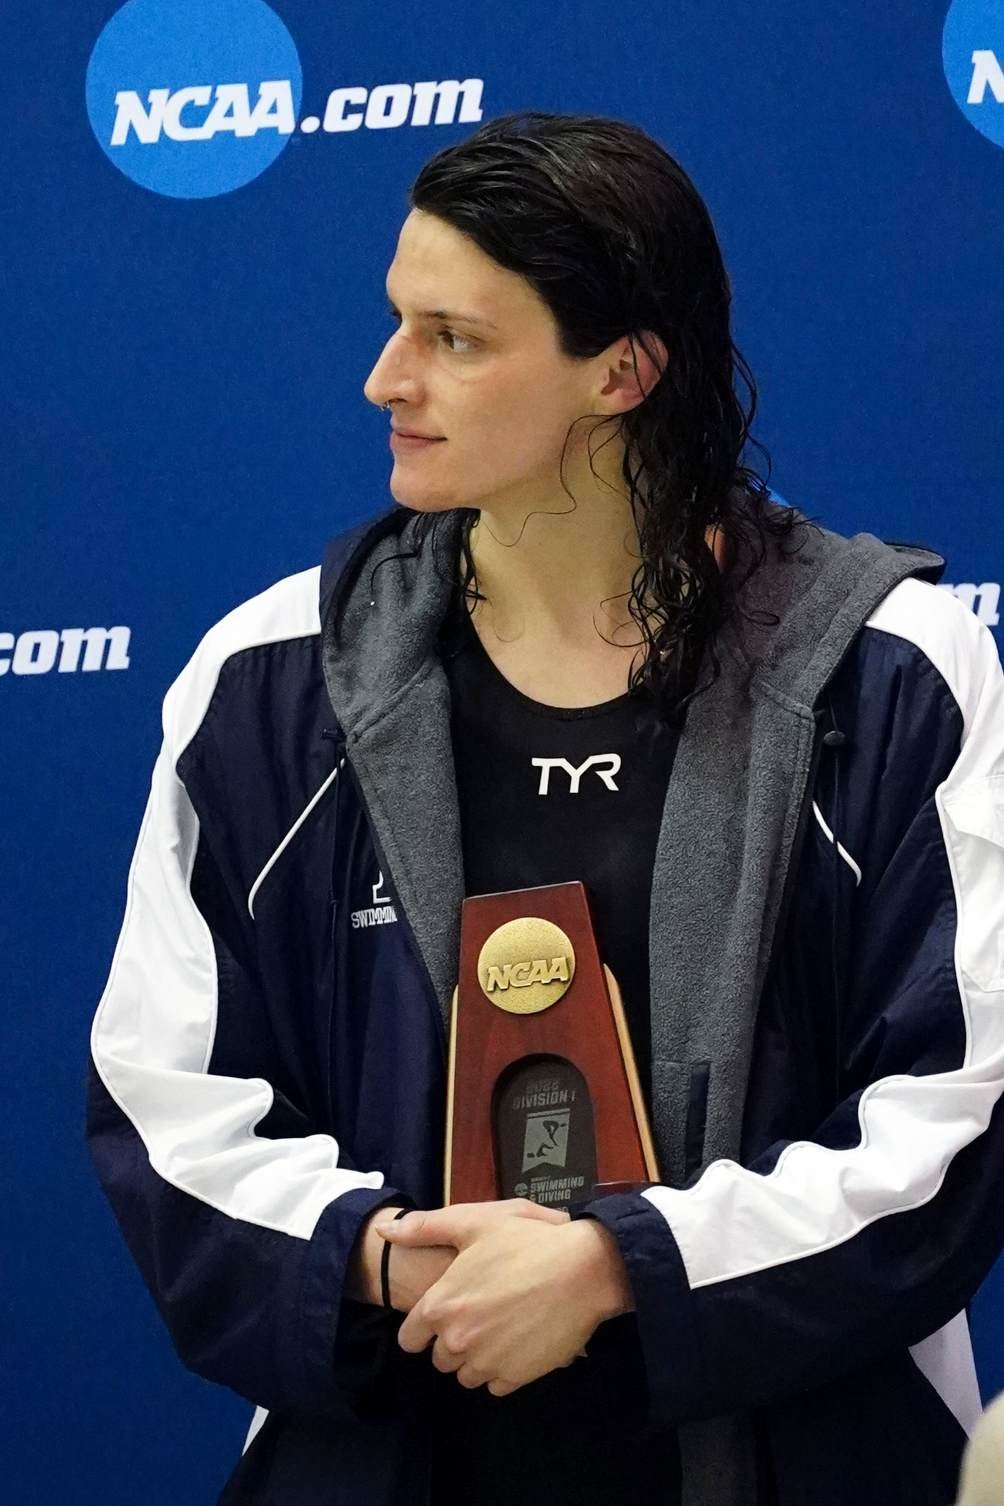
[
  {"x": 337, "y": 737},
  {"x": 402, "y": 913}
]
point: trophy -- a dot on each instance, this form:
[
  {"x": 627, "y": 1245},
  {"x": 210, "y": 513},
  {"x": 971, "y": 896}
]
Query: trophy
[{"x": 544, "y": 1100}]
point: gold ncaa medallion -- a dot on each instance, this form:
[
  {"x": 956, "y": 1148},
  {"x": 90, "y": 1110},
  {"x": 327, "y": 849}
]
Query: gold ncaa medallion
[{"x": 526, "y": 965}]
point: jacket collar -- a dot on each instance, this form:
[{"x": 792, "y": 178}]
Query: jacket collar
[
  {"x": 822, "y": 592},
  {"x": 382, "y": 604}
]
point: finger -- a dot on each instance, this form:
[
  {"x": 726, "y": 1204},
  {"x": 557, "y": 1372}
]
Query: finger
[
  {"x": 434, "y": 1226},
  {"x": 446, "y": 1359},
  {"x": 502, "y": 1387},
  {"x": 415, "y": 1333},
  {"x": 470, "y": 1377}
]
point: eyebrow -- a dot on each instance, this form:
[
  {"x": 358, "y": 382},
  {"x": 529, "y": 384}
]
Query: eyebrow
[{"x": 445, "y": 314}]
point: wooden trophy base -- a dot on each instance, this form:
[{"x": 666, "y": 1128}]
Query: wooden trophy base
[{"x": 544, "y": 1099}]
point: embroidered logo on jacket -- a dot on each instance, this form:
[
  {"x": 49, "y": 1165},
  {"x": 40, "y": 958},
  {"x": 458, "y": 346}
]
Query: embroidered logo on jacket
[{"x": 380, "y": 913}]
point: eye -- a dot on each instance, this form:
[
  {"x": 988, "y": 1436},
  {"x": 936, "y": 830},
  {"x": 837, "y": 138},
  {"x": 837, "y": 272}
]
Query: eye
[{"x": 449, "y": 334}]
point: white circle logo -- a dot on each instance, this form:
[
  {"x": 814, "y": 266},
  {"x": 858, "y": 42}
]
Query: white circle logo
[
  {"x": 972, "y": 50},
  {"x": 193, "y": 98}
]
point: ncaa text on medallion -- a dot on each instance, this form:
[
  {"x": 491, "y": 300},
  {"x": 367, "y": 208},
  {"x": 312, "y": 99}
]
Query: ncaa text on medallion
[{"x": 522, "y": 974}]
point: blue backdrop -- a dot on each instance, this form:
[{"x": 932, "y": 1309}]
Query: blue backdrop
[{"x": 202, "y": 201}]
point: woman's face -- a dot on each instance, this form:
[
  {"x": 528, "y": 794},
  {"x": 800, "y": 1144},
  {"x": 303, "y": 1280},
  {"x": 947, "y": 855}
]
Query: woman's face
[{"x": 493, "y": 387}]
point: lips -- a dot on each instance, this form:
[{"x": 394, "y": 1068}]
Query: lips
[{"x": 399, "y": 441}]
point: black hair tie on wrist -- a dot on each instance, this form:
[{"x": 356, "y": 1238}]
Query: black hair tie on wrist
[{"x": 385, "y": 1262}]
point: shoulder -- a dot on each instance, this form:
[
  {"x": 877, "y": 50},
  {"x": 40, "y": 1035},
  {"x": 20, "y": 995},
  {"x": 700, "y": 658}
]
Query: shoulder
[
  {"x": 286, "y": 612},
  {"x": 923, "y": 650},
  {"x": 926, "y": 632},
  {"x": 919, "y": 698}
]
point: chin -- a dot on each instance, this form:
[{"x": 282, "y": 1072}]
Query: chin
[{"x": 417, "y": 502}]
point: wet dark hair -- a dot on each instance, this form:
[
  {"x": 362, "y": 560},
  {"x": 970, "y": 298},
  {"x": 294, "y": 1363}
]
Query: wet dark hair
[{"x": 614, "y": 237}]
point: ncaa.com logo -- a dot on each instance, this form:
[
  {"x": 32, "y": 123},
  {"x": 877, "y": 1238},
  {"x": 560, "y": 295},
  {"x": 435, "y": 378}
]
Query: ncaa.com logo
[
  {"x": 972, "y": 50},
  {"x": 194, "y": 98},
  {"x": 40, "y": 651}
]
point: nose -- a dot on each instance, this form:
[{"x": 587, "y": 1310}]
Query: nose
[{"x": 393, "y": 376}]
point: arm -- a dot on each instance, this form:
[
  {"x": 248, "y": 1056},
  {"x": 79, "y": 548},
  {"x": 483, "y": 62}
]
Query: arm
[
  {"x": 241, "y": 1220},
  {"x": 409, "y": 1275},
  {"x": 874, "y": 1231}
]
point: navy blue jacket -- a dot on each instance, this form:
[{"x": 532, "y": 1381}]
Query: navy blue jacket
[{"x": 268, "y": 1066}]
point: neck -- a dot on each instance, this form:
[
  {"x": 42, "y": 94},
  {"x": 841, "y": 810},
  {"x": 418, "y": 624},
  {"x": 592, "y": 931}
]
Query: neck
[
  {"x": 557, "y": 572},
  {"x": 569, "y": 574},
  {"x": 556, "y": 584}
]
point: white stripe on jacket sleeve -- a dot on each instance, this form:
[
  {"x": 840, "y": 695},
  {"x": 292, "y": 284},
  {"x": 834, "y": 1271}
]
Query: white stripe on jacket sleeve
[
  {"x": 733, "y": 1221},
  {"x": 152, "y": 1036}
]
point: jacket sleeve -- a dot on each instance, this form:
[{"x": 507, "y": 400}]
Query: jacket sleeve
[
  {"x": 241, "y": 1229},
  {"x": 874, "y": 1231}
]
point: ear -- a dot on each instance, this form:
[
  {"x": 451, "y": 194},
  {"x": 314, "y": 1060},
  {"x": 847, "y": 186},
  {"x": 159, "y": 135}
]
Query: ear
[{"x": 631, "y": 371}]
